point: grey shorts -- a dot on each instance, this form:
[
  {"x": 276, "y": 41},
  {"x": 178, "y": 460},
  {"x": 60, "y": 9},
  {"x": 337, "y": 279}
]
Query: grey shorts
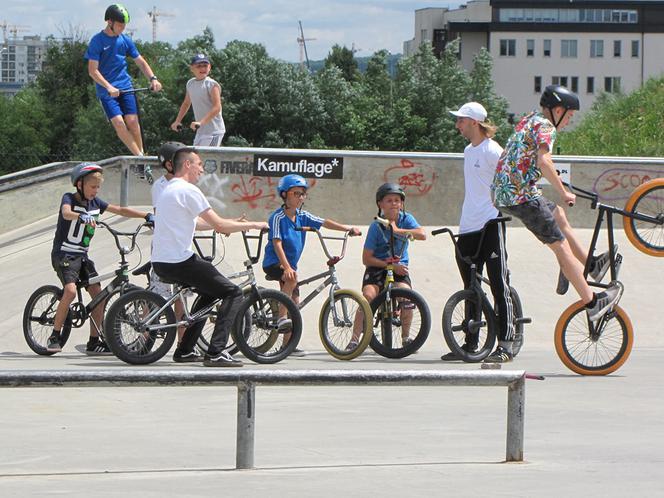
[{"x": 537, "y": 216}]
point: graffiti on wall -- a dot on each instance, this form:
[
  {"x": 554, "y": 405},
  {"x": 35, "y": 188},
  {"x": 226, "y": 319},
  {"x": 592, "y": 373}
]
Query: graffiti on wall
[
  {"x": 417, "y": 179},
  {"x": 617, "y": 184}
]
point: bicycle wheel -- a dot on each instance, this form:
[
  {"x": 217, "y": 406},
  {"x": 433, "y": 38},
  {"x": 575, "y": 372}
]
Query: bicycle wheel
[
  {"x": 203, "y": 342},
  {"x": 401, "y": 324},
  {"x": 336, "y": 333},
  {"x": 38, "y": 317},
  {"x": 461, "y": 329},
  {"x": 647, "y": 199},
  {"x": 265, "y": 343},
  {"x": 593, "y": 353},
  {"x": 517, "y": 308},
  {"x": 129, "y": 336},
  {"x": 113, "y": 296}
]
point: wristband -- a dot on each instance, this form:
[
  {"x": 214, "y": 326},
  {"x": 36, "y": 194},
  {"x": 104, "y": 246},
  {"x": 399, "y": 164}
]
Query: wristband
[{"x": 153, "y": 78}]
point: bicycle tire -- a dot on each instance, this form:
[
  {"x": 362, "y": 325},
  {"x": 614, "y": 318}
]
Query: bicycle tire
[
  {"x": 124, "y": 326},
  {"x": 589, "y": 355},
  {"x": 265, "y": 344},
  {"x": 203, "y": 342},
  {"x": 336, "y": 338},
  {"x": 386, "y": 321},
  {"x": 112, "y": 297},
  {"x": 38, "y": 317},
  {"x": 517, "y": 308},
  {"x": 647, "y": 199},
  {"x": 455, "y": 326}
]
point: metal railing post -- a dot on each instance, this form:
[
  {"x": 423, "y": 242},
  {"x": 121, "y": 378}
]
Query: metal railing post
[
  {"x": 244, "y": 456},
  {"x": 124, "y": 184},
  {"x": 516, "y": 408}
]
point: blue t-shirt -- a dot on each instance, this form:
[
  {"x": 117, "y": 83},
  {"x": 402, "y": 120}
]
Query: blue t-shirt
[
  {"x": 111, "y": 53},
  {"x": 283, "y": 228},
  {"x": 73, "y": 236},
  {"x": 378, "y": 238}
]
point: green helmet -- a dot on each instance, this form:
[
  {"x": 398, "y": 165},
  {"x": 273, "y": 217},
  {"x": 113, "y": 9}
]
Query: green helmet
[{"x": 118, "y": 13}]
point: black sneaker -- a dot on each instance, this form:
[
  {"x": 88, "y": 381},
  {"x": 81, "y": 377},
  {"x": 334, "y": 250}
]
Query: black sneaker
[
  {"x": 563, "y": 284},
  {"x": 452, "y": 356},
  {"x": 53, "y": 344},
  {"x": 223, "y": 359},
  {"x": 186, "y": 357},
  {"x": 500, "y": 355},
  {"x": 96, "y": 347}
]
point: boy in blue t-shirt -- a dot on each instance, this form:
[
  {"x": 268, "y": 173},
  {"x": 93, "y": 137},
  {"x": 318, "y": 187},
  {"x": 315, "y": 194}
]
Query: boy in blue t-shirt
[
  {"x": 285, "y": 243},
  {"x": 77, "y": 220},
  {"x": 107, "y": 66},
  {"x": 390, "y": 199}
]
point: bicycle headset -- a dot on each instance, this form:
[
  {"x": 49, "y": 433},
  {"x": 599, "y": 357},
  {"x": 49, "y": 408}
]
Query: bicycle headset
[
  {"x": 167, "y": 153},
  {"x": 290, "y": 181},
  {"x": 116, "y": 13},
  {"x": 555, "y": 96}
]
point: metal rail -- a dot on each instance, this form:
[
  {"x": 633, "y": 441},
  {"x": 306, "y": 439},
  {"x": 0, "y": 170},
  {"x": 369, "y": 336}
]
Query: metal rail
[{"x": 246, "y": 381}]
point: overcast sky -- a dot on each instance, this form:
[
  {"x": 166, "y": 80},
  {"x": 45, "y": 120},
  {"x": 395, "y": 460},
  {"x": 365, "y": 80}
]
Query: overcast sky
[{"x": 370, "y": 25}]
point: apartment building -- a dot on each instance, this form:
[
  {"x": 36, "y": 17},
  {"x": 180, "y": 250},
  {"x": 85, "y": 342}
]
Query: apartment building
[
  {"x": 590, "y": 46},
  {"x": 20, "y": 62}
]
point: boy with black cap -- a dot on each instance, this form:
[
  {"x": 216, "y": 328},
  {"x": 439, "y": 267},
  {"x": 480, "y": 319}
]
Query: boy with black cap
[{"x": 204, "y": 94}]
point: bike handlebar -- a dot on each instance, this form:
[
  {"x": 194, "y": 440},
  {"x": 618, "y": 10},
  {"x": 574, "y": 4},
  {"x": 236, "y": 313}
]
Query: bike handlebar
[
  {"x": 454, "y": 237},
  {"x": 584, "y": 194},
  {"x": 135, "y": 90},
  {"x": 117, "y": 234},
  {"x": 331, "y": 260}
]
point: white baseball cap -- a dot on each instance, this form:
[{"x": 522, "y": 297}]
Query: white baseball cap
[{"x": 472, "y": 110}]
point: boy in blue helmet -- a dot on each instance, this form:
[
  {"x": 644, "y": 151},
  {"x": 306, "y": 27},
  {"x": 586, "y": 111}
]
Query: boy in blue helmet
[
  {"x": 77, "y": 220},
  {"x": 285, "y": 243}
]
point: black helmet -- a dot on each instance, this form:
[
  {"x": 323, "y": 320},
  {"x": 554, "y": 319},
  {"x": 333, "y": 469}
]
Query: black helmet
[
  {"x": 118, "y": 13},
  {"x": 389, "y": 188},
  {"x": 556, "y": 95},
  {"x": 167, "y": 152},
  {"x": 81, "y": 170}
]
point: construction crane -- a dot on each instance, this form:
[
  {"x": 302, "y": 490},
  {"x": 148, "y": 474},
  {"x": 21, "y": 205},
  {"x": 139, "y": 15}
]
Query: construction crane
[
  {"x": 153, "y": 15},
  {"x": 302, "y": 41},
  {"x": 13, "y": 29}
]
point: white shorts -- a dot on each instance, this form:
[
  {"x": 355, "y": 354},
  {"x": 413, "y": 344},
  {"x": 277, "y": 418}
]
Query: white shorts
[
  {"x": 159, "y": 287},
  {"x": 208, "y": 140}
]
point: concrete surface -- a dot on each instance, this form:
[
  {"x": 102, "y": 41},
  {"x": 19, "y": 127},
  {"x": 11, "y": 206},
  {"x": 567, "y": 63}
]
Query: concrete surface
[{"x": 583, "y": 436}]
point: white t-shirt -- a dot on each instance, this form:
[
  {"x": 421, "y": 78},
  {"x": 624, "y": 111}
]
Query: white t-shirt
[
  {"x": 177, "y": 208},
  {"x": 479, "y": 168},
  {"x": 157, "y": 188}
]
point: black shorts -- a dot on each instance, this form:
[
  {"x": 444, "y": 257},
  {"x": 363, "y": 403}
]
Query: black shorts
[
  {"x": 72, "y": 268},
  {"x": 376, "y": 276},
  {"x": 276, "y": 272}
]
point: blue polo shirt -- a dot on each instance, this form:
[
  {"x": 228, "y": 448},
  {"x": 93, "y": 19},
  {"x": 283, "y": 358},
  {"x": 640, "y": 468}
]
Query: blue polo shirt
[
  {"x": 283, "y": 228},
  {"x": 378, "y": 238},
  {"x": 111, "y": 52}
]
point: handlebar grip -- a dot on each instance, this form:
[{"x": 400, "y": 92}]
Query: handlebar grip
[
  {"x": 382, "y": 221},
  {"x": 439, "y": 231},
  {"x": 305, "y": 229}
]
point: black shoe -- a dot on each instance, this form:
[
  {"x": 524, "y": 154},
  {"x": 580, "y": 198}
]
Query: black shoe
[
  {"x": 500, "y": 355},
  {"x": 186, "y": 357},
  {"x": 97, "y": 347},
  {"x": 222, "y": 359},
  {"x": 53, "y": 344},
  {"x": 563, "y": 284},
  {"x": 452, "y": 356}
]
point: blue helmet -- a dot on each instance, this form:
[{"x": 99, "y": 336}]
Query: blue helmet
[{"x": 289, "y": 181}]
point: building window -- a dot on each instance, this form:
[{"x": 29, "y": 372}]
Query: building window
[
  {"x": 612, "y": 84},
  {"x": 596, "y": 48},
  {"x": 508, "y": 48},
  {"x": 567, "y": 15},
  {"x": 568, "y": 48},
  {"x": 617, "y": 48},
  {"x": 538, "y": 84},
  {"x": 575, "y": 84},
  {"x": 635, "y": 48},
  {"x": 559, "y": 80},
  {"x": 547, "y": 48},
  {"x": 424, "y": 35},
  {"x": 590, "y": 84},
  {"x": 530, "y": 48}
]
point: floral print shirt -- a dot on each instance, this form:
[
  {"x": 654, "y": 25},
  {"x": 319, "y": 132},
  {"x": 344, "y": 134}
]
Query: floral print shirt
[{"x": 517, "y": 173}]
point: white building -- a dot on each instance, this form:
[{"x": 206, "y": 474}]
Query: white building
[
  {"x": 20, "y": 62},
  {"x": 590, "y": 46}
]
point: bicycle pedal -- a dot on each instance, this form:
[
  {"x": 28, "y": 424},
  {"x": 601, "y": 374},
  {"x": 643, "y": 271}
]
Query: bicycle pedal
[{"x": 523, "y": 320}]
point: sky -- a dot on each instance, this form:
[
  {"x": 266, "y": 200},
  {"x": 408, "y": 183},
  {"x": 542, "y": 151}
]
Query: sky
[{"x": 368, "y": 26}]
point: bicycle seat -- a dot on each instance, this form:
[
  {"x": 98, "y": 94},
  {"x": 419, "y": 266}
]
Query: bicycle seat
[{"x": 143, "y": 270}]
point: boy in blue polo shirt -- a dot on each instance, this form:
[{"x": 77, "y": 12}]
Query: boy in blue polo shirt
[
  {"x": 107, "y": 66},
  {"x": 285, "y": 243}
]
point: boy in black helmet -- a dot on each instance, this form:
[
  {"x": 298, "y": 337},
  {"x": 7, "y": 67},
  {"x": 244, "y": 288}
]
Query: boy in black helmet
[
  {"x": 107, "y": 66},
  {"x": 526, "y": 158},
  {"x": 77, "y": 220}
]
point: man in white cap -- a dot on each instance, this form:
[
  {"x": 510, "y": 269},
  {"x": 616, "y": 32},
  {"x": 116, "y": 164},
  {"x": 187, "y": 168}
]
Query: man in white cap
[{"x": 479, "y": 166}]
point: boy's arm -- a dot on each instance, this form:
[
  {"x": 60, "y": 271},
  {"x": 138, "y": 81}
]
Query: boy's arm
[
  {"x": 68, "y": 213},
  {"x": 184, "y": 107},
  {"x": 417, "y": 233},
  {"x": 214, "y": 110},
  {"x": 289, "y": 273},
  {"x": 368, "y": 259},
  {"x": 333, "y": 225},
  {"x": 143, "y": 65},
  {"x": 95, "y": 74},
  {"x": 128, "y": 212},
  {"x": 548, "y": 169}
]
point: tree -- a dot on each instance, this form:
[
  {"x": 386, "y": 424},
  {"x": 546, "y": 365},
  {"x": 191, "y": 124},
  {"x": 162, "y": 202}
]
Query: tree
[{"x": 344, "y": 59}]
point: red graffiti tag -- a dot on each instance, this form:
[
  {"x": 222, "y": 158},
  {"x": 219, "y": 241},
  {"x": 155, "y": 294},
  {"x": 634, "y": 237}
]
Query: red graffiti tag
[
  {"x": 415, "y": 178},
  {"x": 259, "y": 191}
]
